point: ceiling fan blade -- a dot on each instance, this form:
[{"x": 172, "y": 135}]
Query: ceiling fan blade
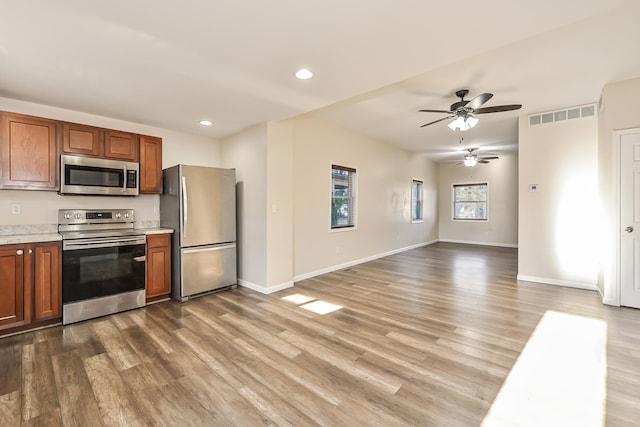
[
  {"x": 479, "y": 100},
  {"x": 489, "y": 158},
  {"x": 439, "y": 120},
  {"x": 482, "y": 161},
  {"x": 435, "y": 111},
  {"x": 497, "y": 109}
]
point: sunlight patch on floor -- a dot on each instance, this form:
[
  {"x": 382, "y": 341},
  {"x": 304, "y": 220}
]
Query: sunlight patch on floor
[
  {"x": 298, "y": 298},
  {"x": 559, "y": 378},
  {"x": 317, "y": 306},
  {"x": 321, "y": 307}
]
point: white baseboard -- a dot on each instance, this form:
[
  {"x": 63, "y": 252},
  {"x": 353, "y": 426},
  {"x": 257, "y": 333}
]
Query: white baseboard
[
  {"x": 469, "y": 242},
  {"x": 359, "y": 261},
  {"x": 264, "y": 289},
  {"x": 566, "y": 283}
]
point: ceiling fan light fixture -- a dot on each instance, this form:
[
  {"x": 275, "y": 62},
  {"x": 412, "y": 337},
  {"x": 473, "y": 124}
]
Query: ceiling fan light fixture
[
  {"x": 458, "y": 123},
  {"x": 472, "y": 121},
  {"x": 470, "y": 162}
]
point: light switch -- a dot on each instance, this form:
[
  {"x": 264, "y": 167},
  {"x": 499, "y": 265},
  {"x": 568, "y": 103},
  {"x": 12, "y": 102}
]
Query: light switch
[
  {"x": 274, "y": 208},
  {"x": 533, "y": 188},
  {"x": 16, "y": 208}
]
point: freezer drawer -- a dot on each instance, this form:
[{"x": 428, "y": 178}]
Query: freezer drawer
[{"x": 207, "y": 268}]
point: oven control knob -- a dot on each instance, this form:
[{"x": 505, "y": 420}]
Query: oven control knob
[
  {"x": 77, "y": 216},
  {"x": 118, "y": 215},
  {"x": 126, "y": 214},
  {"x": 67, "y": 216}
]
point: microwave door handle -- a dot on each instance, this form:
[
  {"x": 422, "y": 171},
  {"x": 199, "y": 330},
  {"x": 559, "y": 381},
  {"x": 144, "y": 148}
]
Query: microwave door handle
[
  {"x": 124, "y": 179},
  {"x": 185, "y": 209}
]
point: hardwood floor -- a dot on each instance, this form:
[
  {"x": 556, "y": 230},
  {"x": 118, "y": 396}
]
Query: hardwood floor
[{"x": 425, "y": 337}]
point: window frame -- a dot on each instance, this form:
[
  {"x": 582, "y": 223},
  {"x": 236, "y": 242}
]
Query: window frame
[
  {"x": 353, "y": 196},
  {"x": 420, "y": 183},
  {"x": 453, "y": 202}
]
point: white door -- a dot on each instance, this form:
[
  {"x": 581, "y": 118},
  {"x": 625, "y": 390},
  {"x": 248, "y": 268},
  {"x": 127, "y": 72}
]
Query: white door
[{"x": 630, "y": 220}]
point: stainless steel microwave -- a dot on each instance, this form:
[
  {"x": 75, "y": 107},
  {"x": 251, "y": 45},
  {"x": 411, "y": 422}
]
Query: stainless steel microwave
[{"x": 88, "y": 175}]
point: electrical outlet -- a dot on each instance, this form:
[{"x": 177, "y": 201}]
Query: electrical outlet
[{"x": 16, "y": 208}]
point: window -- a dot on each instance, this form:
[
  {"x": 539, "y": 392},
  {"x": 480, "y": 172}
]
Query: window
[
  {"x": 416, "y": 200},
  {"x": 343, "y": 197},
  {"x": 470, "y": 202}
]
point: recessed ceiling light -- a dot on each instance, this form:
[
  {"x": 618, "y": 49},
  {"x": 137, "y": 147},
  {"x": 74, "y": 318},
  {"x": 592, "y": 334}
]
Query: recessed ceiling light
[
  {"x": 205, "y": 123},
  {"x": 304, "y": 74}
]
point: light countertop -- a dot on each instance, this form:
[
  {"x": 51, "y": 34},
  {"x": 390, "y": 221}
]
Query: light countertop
[{"x": 37, "y": 234}]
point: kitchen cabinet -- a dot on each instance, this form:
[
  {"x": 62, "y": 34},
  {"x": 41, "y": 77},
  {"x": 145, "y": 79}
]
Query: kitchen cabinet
[
  {"x": 47, "y": 280},
  {"x": 158, "y": 267},
  {"x": 28, "y": 152},
  {"x": 150, "y": 165},
  {"x": 14, "y": 298},
  {"x": 30, "y": 285},
  {"x": 97, "y": 142},
  {"x": 81, "y": 139},
  {"x": 120, "y": 145}
]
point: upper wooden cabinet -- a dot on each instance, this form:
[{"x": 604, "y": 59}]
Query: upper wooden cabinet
[
  {"x": 150, "y": 165},
  {"x": 120, "y": 145},
  {"x": 97, "y": 142},
  {"x": 28, "y": 152},
  {"x": 81, "y": 139}
]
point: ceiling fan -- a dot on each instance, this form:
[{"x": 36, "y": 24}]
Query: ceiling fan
[
  {"x": 463, "y": 111},
  {"x": 471, "y": 158}
]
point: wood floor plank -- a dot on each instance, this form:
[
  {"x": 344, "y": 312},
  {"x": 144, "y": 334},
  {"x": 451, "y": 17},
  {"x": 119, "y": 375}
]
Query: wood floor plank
[
  {"x": 39, "y": 394},
  {"x": 111, "y": 393},
  {"x": 77, "y": 401},
  {"x": 11, "y": 409},
  {"x": 417, "y": 340}
]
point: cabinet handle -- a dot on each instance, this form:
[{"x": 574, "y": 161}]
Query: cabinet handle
[
  {"x": 19, "y": 252},
  {"x": 30, "y": 251}
]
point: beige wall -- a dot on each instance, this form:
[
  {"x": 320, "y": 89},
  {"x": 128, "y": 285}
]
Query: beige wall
[
  {"x": 247, "y": 153},
  {"x": 620, "y": 110},
  {"x": 279, "y": 205},
  {"x": 558, "y": 224},
  {"x": 41, "y": 207},
  {"x": 384, "y": 175},
  {"x": 502, "y": 227}
]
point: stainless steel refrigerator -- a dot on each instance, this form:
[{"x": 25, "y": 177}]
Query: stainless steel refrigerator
[{"x": 199, "y": 203}]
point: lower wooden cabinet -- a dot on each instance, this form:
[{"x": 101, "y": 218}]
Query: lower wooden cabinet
[
  {"x": 47, "y": 281},
  {"x": 14, "y": 304},
  {"x": 30, "y": 285},
  {"x": 158, "y": 266}
]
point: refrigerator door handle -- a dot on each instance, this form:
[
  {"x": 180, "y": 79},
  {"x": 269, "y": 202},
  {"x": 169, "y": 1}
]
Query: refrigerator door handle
[
  {"x": 209, "y": 249},
  {"x": 184, "y": 207}
]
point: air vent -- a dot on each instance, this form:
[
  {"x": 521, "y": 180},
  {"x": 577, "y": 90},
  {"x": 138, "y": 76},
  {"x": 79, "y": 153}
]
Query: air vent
[{"x": 572, "y": 113}]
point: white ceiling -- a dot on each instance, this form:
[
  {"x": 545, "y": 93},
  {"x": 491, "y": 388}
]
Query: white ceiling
[{"x": 170, "y": 64}]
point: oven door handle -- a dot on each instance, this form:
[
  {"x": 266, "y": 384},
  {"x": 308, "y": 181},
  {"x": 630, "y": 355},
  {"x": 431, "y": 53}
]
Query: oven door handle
[{"x": 104, "y": 243}]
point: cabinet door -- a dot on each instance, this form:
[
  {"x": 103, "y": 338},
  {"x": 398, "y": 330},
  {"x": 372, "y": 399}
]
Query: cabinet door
[
  {"x": 29, "y": 152},
  {"x": 13, "y": 304},
  {"x": 150, "y": 165},
  {"x": 81, "y": 139},
  {"x": 47, "y": 280},
  {"x": 158, "y": 265},
  {"x": 120, "y": 145}
]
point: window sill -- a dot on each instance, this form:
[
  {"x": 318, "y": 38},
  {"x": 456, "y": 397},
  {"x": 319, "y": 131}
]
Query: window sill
[
  {"x": 417, "y": 221},
  {"x": 342, "y": 229}
]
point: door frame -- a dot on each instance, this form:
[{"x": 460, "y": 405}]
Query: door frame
[{"x": 613, "y": 290}]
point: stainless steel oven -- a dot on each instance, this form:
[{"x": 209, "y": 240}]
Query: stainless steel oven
[{"x": 103, "y": 263}]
